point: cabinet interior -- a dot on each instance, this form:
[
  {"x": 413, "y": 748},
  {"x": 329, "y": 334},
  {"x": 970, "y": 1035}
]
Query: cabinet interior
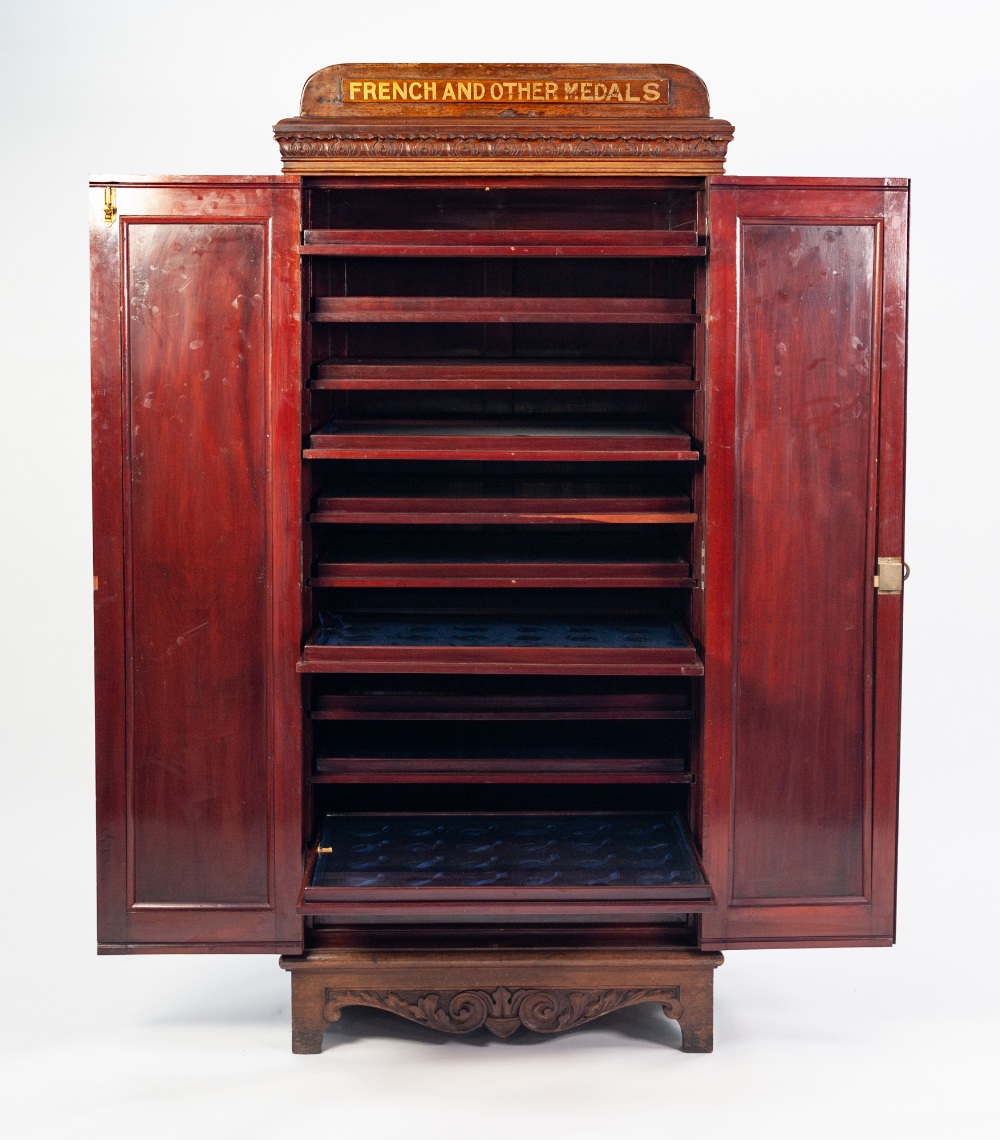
[{"x": 502, "y": 426}]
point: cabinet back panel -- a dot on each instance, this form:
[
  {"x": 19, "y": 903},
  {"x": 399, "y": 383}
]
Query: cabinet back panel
[
  {"x": 504, "y": 208},
  {"x": 804, "y": 412},
  {"x": 199, "y": 607}
]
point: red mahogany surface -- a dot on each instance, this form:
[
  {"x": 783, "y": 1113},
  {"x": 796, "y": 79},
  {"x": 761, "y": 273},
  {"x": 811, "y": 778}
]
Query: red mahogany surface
[
  {"x": 194, "y": 795},
  {"x": 805, "y": 407}
]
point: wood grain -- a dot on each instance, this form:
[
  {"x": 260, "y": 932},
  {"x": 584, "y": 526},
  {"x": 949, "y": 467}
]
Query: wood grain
[
  {"x": 460, "y": 990},
  {"x": 200, "y": 379},
  {"x": 803, "y": 647},
  {"x": 796, "y": 739}
]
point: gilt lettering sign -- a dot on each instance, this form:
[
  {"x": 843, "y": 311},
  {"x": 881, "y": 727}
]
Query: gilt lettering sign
[{"x": 487, "y": 90}]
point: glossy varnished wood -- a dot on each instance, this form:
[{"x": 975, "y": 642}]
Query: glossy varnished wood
[
  {"x": 492, "y": 511},
  {"x": 487, "y": 89},
  {"x": 502, "y": 243},
  {"x": 501, "y": 119},
  {"x": 805, "y": 397},
  {"x": 107, "y": 426},
  {"x": 476, "y": 770},
  {"x": 887, "y": 689},
  {"x": 482, "y": 440},
  {"x": 502, "y": 310},
  {"x": 196, "y": 460},
  {"x": 799, "y": 387},
  {"x": 567, "y": 575},
  {"x": 460, "y": 990},
  {"x": 203, "y": 814},
  {"x": 458, "y": 706},
  {"x": 564, "y": 661},
  {"x": 499, "y": 375}
]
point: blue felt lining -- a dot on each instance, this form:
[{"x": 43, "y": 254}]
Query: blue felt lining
[
  {"x": 506, "y": 850},
  {"x": 336, "y": 629}
]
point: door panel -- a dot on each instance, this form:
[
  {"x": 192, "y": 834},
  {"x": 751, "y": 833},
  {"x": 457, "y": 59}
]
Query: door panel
[
  {"x": 198, "y": 545},
  {"x": 800, "y": 285},
  {"x": 196, "y": 390},
  {"x": 802, "y": 663}
]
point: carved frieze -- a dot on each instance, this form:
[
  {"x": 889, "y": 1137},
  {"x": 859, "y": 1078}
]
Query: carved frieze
[
  {"x": 502, "y": 1011},
  {"x": 422, "y": 145}
]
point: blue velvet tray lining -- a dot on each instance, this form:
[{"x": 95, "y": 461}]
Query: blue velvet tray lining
[
  {"x": 517, "y": 850},
  {"x": 336, "y": 629}
]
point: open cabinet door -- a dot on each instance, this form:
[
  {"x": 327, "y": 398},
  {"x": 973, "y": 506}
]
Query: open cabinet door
[
  {"x": 807, "y": 316},
  {"x": 195, "y": 335}
]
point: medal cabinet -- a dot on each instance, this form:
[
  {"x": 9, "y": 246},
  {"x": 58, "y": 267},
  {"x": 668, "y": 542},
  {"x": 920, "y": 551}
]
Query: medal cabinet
[{"x": 498, "y": 551}]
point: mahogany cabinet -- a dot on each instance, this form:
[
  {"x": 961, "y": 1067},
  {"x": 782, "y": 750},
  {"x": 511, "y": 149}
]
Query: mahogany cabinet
[{"x": 498, "y": 542}]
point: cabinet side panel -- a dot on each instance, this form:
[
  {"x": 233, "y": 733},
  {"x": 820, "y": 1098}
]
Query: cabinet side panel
[
  {"x": 196, "y": 351},
  {"x": 803, "y": 671}
]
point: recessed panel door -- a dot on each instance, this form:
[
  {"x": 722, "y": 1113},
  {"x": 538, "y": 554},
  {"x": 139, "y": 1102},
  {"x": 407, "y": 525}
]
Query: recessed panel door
[
  {"x": 195, "y": 350},
  {"x": 804, "y": 479}
]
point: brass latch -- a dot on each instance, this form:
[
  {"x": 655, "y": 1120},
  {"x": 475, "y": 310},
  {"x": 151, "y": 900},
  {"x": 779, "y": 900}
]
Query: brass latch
[
  {"x": 110, "y": 205},
  {"x": 324, "y": 850},
  {"x": 892, "y": 573}
]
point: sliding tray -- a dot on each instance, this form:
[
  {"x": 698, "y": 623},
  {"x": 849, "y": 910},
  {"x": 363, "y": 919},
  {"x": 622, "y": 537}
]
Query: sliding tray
[
  {"x": 507, "y": 558},
  {"x": 491, "y": 242},
  {"x": 445, "y": 705},
  {"x": 479, "y": 643},
  {"x": 369, "y": 864},
  {"x": 492, "y": 510},
  {"x": 504, "y": 310},
  {"x": 498, "y": 375},
  {"x": 517, "y": 439},
  {"x": 510, "y": 752}
]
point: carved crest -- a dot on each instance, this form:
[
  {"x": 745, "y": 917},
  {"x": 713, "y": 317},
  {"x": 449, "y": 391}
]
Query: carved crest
[{"x": 504, "y": 118}]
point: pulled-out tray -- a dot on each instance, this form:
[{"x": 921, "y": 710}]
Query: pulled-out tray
[
  {"x": 487, "y": 644},
  {"x": 486, "y": 857}
]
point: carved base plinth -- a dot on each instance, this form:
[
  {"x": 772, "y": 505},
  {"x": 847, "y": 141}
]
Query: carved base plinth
[{"x": 461, "y": 991}]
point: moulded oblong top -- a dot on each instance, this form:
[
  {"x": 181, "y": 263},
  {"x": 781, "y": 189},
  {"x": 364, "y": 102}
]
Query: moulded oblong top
[{"x": 508, "y": 90}]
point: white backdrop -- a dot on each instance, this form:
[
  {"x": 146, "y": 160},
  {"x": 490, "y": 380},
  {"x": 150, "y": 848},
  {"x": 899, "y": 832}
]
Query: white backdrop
[{"x": 808, "y": 1043}]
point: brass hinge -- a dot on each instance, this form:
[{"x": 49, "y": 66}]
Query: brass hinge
[
  {"x": 324, "y": 850},
  {"x": 892, "y": 573},
  {"x": 110, "y": 205},
  {"x": 701, "y": 576}
]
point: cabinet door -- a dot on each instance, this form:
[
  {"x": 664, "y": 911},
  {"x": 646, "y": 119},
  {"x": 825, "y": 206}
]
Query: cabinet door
[
  {"x": 196, "y": 427},
  {"x": 804, "y": 495}
]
